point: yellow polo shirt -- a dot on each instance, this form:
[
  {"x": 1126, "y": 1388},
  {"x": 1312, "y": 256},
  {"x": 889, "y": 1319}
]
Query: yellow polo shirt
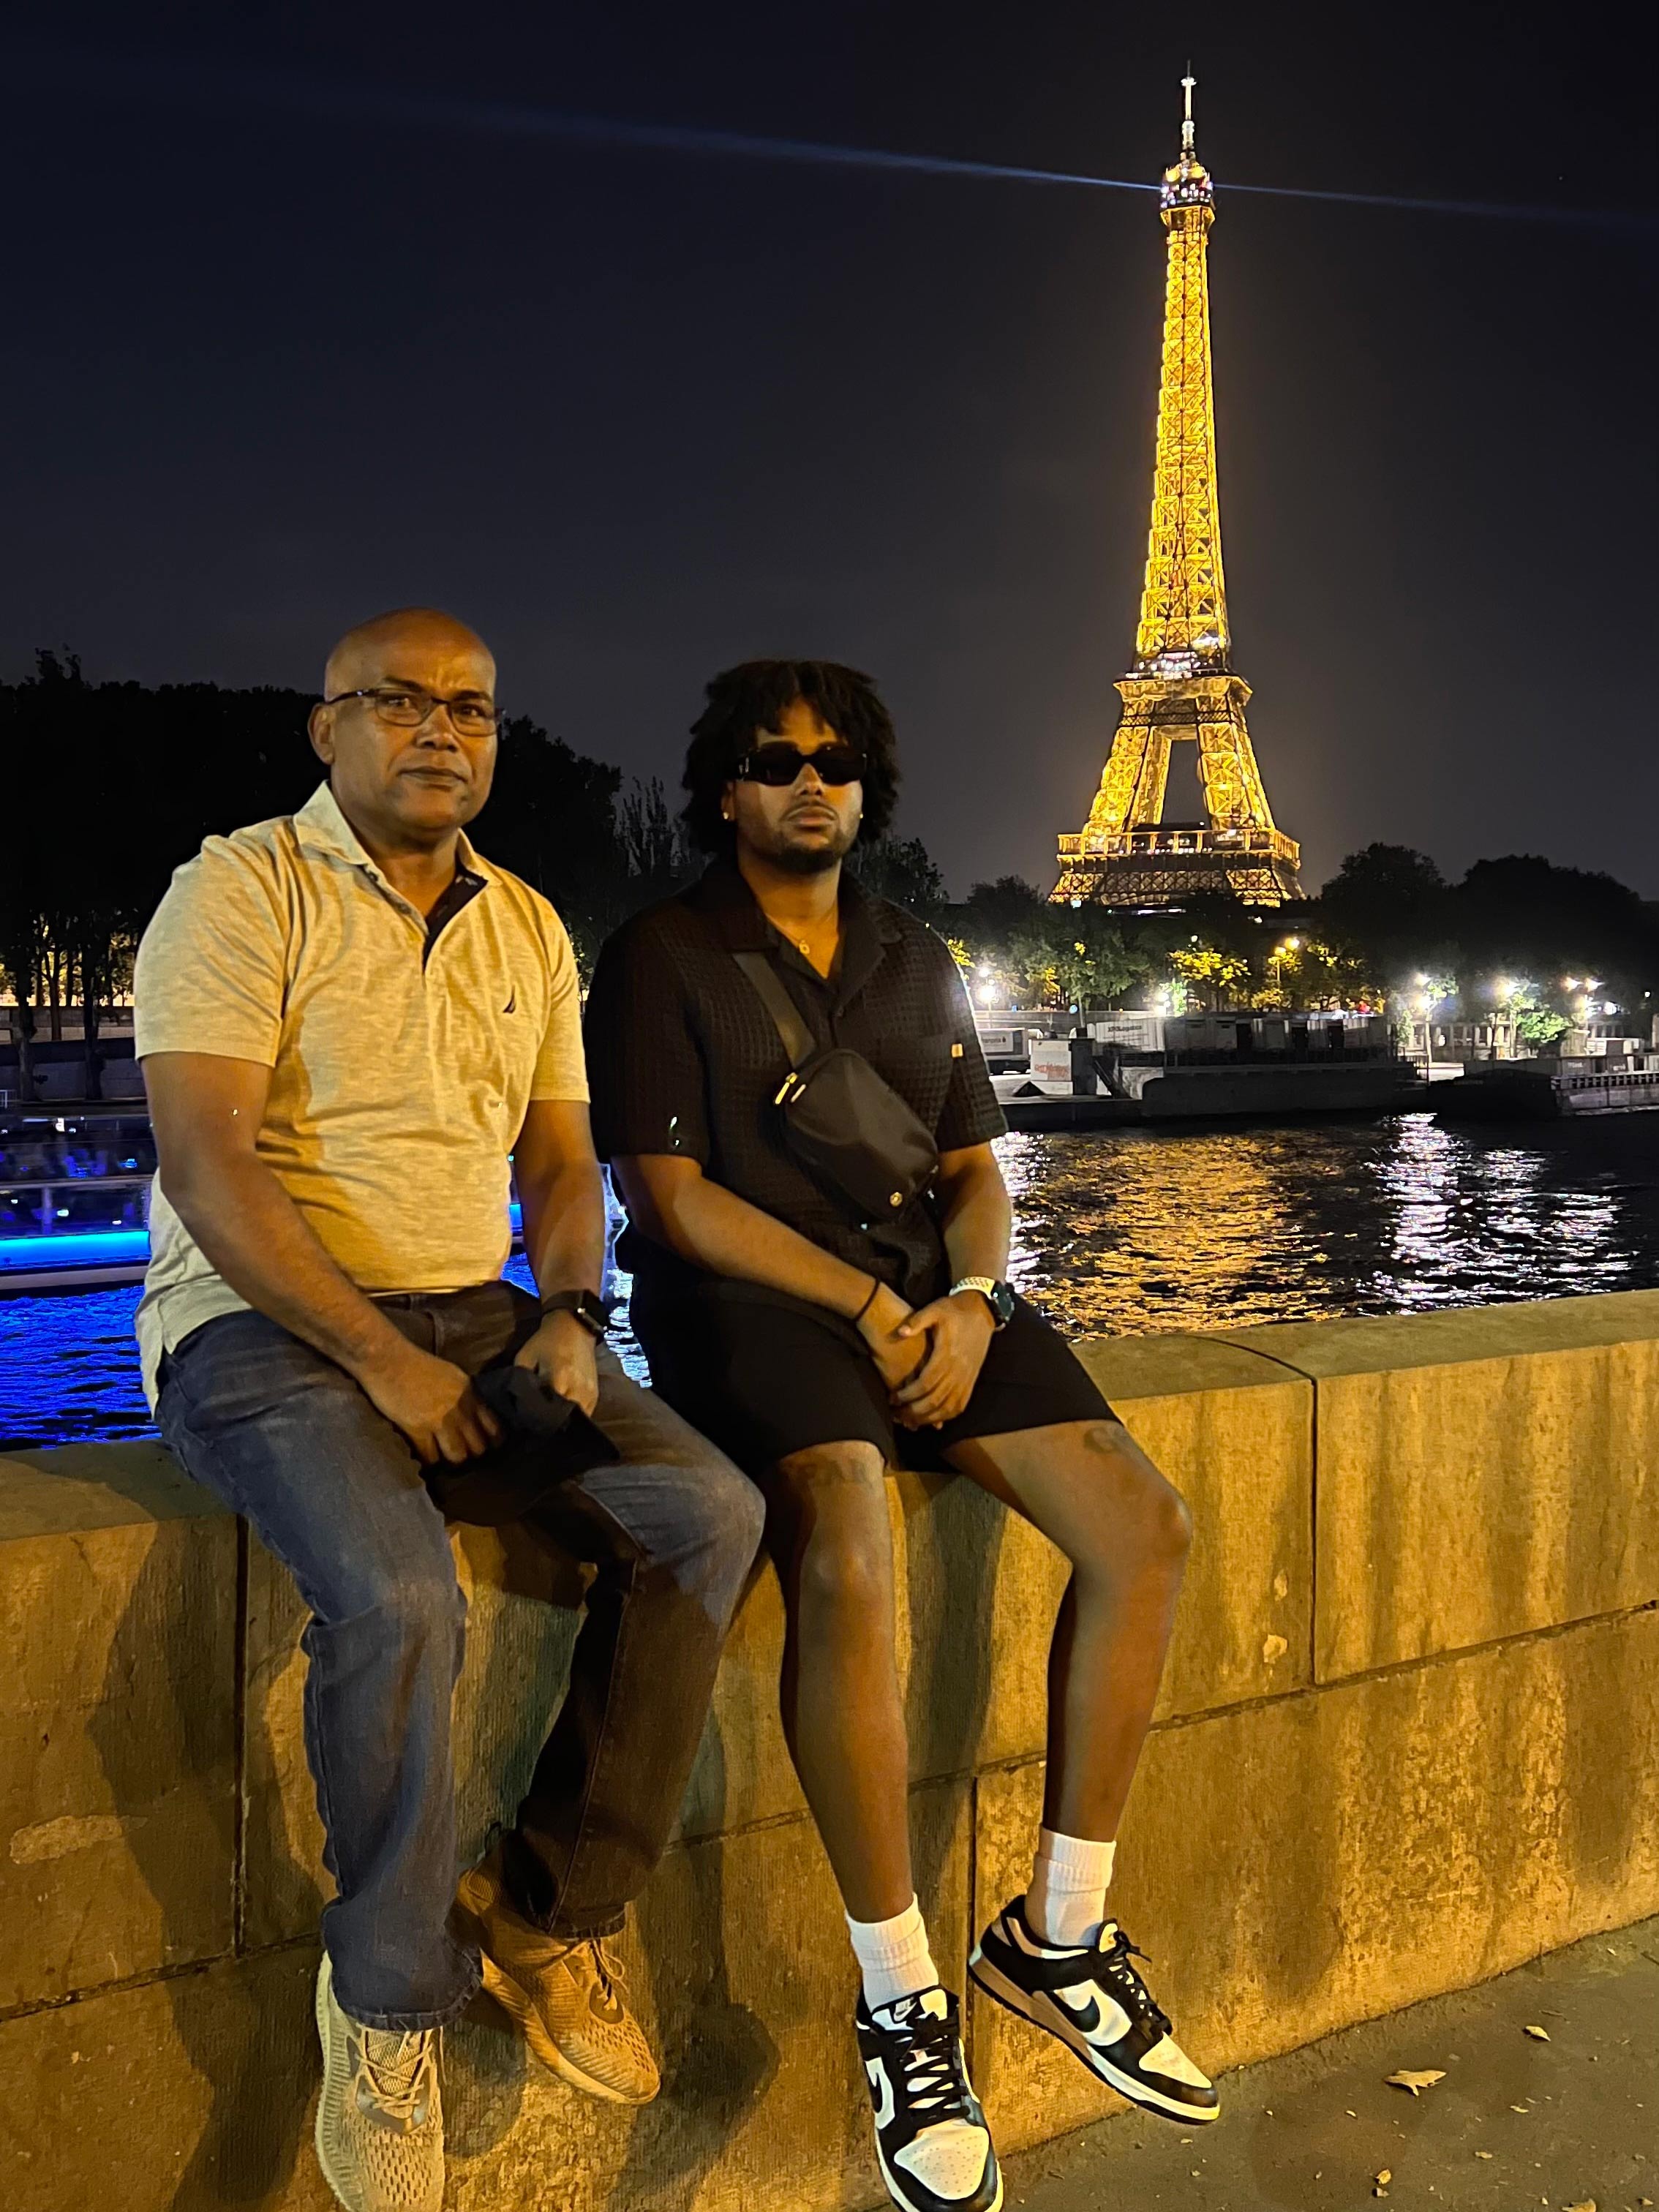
[{"x": 400, "y": 1071}]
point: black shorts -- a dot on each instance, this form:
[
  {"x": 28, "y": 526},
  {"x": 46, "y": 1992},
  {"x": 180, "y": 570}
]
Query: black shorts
[{"x": 763, "y": 1375}]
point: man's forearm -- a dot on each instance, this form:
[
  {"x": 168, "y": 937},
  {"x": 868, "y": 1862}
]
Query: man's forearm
[
  {"x": 977, "y": 1225},
  {"x": 564, "y": 1228},
  {"x": 712, "y": 1226},
  {"x": 255, "y": 1237}
]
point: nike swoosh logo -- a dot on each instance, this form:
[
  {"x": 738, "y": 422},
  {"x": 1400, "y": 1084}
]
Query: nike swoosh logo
[
  {"x": 511, "y": 999},
  {"x": 1086, "y": 2021},
  {"x": 884, "y": 2088}
]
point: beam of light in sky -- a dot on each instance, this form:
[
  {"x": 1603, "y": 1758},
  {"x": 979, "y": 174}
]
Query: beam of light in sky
[{"x": 227, "y": 89}]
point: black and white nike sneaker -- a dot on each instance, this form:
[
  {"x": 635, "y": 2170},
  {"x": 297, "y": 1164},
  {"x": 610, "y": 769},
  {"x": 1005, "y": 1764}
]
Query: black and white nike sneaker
[
  {"x": 1096, "y": 2002},
  {"x": 931, "y": 2137}
]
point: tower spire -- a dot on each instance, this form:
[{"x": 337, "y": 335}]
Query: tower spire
[{"x": 1182, "y": 684}]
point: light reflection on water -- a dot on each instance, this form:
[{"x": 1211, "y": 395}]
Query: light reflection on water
[
  {"x": 1139, "y": 1233},
  {"x": 1142, "y": 1231}
]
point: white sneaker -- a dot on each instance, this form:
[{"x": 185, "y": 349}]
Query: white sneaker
[{"x": 379, "y": 2118}]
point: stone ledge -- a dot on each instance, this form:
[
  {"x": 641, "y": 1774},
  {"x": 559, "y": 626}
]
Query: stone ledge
[
  {"x": 1436, "y": 1761},
  {"x": 1479, "y": 1472},
  {"x": 1355, "y": 1848}
]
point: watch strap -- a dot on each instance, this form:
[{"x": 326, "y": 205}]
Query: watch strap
[
  {"x": 995, "y": 1294},
  {"x": 592, "y": 1311}
]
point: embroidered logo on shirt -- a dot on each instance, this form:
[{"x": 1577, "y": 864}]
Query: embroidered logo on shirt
[{"x": 511, "y": 999}]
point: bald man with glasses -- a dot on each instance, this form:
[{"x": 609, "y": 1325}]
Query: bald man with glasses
[{"x": 348, "y": 1020}]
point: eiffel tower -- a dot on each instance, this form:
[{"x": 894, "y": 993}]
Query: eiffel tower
[{"x": 1183, "y": 685}]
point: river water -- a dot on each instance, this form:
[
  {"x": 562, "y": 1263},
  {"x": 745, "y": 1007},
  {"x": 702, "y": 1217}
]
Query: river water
[{"x": 1142, "y": 1231}]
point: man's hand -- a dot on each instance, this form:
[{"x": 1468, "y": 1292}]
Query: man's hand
[
  {"x": 894, "y": 1356},
  {"x": 561, "y": 1353},
  {"x": 960, "y": 1330},
  {"x": 432, "y": 1402}
]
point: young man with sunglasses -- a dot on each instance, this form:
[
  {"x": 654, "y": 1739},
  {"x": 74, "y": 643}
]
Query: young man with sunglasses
[
  {"x": 817, "y": 1340},
  {"x": 348, "y": 1019}
]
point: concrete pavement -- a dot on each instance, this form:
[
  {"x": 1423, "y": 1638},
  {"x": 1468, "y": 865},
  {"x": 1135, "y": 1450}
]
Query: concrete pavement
[{"x": 1516, "y": 2122}]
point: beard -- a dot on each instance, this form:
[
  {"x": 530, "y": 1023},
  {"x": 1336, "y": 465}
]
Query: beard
[
  {"x": 810, "y": 860},
  {"x": 815, "y": 859}
]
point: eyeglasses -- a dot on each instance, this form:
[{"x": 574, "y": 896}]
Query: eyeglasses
[
  {"x": 406, "y": 706},
  {"x": 778, "y": 765}
]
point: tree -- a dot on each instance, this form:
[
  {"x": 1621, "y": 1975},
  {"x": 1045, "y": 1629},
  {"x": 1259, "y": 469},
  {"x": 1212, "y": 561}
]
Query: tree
[
  {"x": 1390, "y": 901},
  {"x": 1007, "y": 904},
  {"x": 902, "y": 870},
  {"x": 1040, "y": 954},
  {"x": 1523, "y": 917}
]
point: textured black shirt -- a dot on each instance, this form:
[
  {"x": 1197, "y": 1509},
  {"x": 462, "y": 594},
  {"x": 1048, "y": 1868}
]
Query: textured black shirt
[{"x": 683, "y": 1058}]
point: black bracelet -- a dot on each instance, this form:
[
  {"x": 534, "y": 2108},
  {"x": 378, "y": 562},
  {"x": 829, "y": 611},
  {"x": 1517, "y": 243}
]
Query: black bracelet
[{"x": 875, "y": 1290}]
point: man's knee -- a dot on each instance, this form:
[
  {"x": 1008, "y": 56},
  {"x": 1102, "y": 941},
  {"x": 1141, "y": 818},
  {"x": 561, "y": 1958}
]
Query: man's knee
[
  {"x": 833, "y": 1521},
  {"x": 1137, "y": 1508},
  {"x": 408, "y": 1604},
  {"x": 715, "y": 1516},
  {"x": 736, "y": 1512}
]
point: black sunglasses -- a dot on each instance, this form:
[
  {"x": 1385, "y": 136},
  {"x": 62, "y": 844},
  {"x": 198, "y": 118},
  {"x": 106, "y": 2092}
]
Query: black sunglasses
[{"x": 778, "y": 765}]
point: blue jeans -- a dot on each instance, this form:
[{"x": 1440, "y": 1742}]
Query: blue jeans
[{"x": 286, "y": 1438}]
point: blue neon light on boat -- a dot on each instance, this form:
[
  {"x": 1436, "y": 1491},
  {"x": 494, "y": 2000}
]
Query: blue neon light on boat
[
  {"x": 92, "y": 1247},
  {"x": 80, "y": 1248}
]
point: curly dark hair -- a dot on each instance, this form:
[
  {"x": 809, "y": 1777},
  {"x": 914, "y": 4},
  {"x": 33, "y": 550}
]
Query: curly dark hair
[{"x": 756, "y": 696}]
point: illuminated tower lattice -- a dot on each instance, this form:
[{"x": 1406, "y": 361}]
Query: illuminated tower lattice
[{"x": 1183, "y": 685}]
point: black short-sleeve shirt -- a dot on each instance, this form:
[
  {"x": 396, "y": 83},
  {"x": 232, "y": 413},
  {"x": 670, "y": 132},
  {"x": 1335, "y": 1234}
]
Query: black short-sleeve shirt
[{"x": 683, "y": 1058}]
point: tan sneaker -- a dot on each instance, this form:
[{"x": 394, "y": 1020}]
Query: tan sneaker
[
  {"x": 567, "y": 1997},
  {"x": 379, "y": 2118}
]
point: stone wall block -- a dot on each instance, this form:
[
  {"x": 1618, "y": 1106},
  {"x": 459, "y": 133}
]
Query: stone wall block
[
  {"x": 117, "y": 1618},
  {"x": 742, "y": 1772},
  {"x": 283, "y": 1881},
  {"x": 1326, "y": 1858},
  {"x": 1481, "y": 1472},
  {"x": 190, "y": 2094},
  {"x": 1234, "y": 1433}
]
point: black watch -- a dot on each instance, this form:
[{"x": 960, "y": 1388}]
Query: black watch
[
  {"x": 998, "y": 1297},
  {"x": 593, "y": 1313}
]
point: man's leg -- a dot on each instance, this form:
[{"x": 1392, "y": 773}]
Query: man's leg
[
  {"x": 672, "y": 1528},
  {"x": 843, "y": 1717},
  {"x": 1053, "y": 1955},
  {"x": 774, "y": 1380},
  {"x": 286, "y": 1437},
  {"x": 1094, "y": 1494}
]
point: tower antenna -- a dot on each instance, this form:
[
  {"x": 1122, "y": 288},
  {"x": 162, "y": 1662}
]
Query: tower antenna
[{"x": 1189, "y": 86}]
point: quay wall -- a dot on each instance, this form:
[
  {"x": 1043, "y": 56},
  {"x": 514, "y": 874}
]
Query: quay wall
[{"x": 1407, "y": 1741}]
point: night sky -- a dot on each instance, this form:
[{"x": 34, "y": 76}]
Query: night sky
[{"x": 304, "y": 321}]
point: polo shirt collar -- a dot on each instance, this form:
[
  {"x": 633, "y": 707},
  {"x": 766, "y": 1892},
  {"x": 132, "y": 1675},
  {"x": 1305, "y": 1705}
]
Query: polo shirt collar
[{"x": 321, "y": 826}]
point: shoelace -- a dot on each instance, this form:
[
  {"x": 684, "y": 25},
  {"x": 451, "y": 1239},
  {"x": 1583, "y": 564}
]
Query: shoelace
[
  {"x": 608, "y": 1969},
  {"x": 396, "y": 2075},
  {"x": 934, "y": 2078},
  {"x": 1113, "y": 1960}
]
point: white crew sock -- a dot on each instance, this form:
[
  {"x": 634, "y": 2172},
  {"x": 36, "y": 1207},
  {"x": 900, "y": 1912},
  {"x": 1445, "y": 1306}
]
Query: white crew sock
[
  {"x": 893, "y": 1956},
  {"x": 1065, "y": 1905}
]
